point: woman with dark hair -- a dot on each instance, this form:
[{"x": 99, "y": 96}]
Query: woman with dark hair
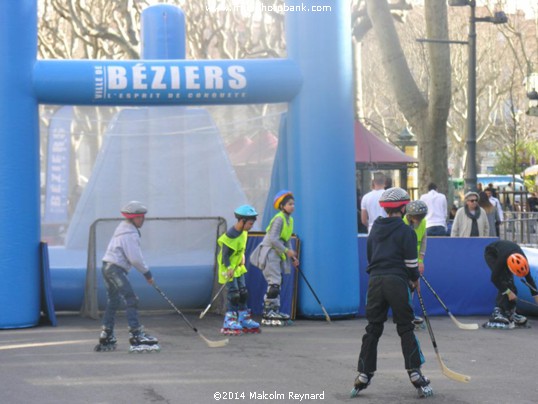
[{"x": 491, "y": 212}]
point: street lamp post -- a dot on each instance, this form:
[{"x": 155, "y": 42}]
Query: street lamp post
[
  {"x": 498, "y": 18},
  {"x": 470, "y": 166}
]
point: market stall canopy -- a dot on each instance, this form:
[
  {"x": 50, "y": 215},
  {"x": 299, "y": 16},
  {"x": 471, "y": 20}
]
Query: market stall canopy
[
  {"x": 532, "y": 170},
  {"x": 370, "y": 150}
]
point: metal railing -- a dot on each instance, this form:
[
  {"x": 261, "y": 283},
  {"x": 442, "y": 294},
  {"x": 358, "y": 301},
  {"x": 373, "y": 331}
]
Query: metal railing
[{"x": 520, "y": 227}]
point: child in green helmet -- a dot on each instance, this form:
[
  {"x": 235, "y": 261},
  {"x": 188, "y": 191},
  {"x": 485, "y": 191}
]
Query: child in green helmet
[
  {"x": 416, "y": 212},
  {"x": 273, "y": 257},
  {"x": 231, "y": 261}
]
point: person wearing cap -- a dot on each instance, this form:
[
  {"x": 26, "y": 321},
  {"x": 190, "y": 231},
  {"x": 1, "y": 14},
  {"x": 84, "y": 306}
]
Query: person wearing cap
[
  {"x": 232, "y": 270},
  {"x": 393, "y": 268},
  {"x": 506, "y": 259},
  {"x": 272, "y": 256},
  {"x": 470, "y": 220},
  {"x": 123, "y": 253}
]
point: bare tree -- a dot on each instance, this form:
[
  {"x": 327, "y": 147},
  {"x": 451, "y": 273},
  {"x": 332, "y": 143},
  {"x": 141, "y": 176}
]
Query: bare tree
[{"x": 426, "y": 111}]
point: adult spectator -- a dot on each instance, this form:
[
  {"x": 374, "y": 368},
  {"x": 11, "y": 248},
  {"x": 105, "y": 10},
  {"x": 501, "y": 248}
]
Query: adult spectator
[
  {"x": 491, "y": 213},
  {"x": 370, "y": 208},
  {"x": 388, "y": 182},
  {"x": 361, "y": 228},
  {"x": 437, "y": 211},
  {"x": 471, "y": 220},
  {"x": 508, "y": 196},
  {"x": 492, "y": 195},
  {"x": 533, "y": 202}
]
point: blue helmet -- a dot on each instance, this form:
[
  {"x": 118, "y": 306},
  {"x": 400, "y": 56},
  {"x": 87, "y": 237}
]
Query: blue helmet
[{"x": 245, "y": 212}]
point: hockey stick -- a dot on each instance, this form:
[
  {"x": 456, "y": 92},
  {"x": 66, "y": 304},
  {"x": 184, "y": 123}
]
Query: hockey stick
[
  {"x": 446, "y": 371},
  {"x": 529, "y": 285},
  {"x": 314, "y": 294},
  {"x": 202, "y": 314},
  {"x": 211, "y": 344},
  {"x": 458, "y": 323}
]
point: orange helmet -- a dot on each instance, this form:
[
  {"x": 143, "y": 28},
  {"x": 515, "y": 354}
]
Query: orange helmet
[{"x": 518, "y": 264}]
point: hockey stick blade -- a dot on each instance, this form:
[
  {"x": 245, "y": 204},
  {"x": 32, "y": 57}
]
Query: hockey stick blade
[
  {"x": 446, "y": 371},
  {"x": 463, "y": 326},
  {"x": 211, "y": 344},
  {"x": 214, "y": 344},
  {"x": 458, "y": 377},
  {"x": 459, "y": 324}
]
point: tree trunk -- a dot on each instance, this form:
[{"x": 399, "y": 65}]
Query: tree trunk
[{"x": 426, "y": 117}]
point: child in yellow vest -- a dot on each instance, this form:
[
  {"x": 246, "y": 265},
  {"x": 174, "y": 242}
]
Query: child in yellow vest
[
  {"x": 416, "y": 211},
  {"x": 231, "y": 261},
  {"x": 274, "y": 254}
]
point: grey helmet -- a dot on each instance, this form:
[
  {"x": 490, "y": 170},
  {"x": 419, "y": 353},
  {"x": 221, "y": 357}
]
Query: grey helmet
[
  {"x": 134, "y": 209},
  {"x": 394, "y": 198},
  {"x": 416, "y": 208}
]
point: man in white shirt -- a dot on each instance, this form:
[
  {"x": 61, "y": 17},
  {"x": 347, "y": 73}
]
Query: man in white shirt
[
  {"x": 370, "y": 208},
  {"x": 437, "y": 211}
]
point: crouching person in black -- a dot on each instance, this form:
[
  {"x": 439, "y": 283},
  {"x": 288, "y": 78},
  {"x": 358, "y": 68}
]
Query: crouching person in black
[{"x": 506, "y": 259}]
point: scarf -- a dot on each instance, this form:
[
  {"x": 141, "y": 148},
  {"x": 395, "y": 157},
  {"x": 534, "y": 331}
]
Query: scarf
[{"x": 474, "y": 218}]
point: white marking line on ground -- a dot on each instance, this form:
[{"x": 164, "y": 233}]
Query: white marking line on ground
[{"x": 43, "y": 344}]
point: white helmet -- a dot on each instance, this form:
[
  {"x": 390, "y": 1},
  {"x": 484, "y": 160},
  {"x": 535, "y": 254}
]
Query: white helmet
[
  {"x": 416, "y": 208},
  {"x": 394, "y": 198}
]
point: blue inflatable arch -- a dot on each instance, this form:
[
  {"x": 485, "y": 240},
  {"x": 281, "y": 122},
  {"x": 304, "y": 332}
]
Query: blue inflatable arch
[{"x": 315, "y": 79}]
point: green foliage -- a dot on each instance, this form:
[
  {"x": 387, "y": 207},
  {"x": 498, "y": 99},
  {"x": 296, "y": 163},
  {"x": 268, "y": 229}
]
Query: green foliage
[{"x": 515, "y": 159}]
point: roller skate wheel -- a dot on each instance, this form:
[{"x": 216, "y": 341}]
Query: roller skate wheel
[
  {"x": 354, "y": 393},
  {"x": 425, "y": 391},
  {"x": 104, "y": 348},
  {"x": 144, "y": 348},
  {"x": 226, "y": 331}
]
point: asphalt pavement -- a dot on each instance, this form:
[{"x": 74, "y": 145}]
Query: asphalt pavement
[{"x": 309, "y": 361}]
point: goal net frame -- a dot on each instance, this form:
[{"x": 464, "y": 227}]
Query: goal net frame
[{"x": 90, "y": 303}]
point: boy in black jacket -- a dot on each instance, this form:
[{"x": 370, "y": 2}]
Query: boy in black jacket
[
  {"x": 393, "y": 269},
  {"x": 505, "y": 258}
]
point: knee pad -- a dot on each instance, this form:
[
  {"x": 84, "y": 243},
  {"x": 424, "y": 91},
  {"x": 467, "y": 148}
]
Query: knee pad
[
  {"x": 243, "y": 295},
  {"x": 273, "y": 292},
  {"x": 234, "y": 298}
]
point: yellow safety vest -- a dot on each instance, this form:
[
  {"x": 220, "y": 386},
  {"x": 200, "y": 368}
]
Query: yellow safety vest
[
  {"x": 287, "y": 229},
  {"x": 420, "y": 232},
  {"x": 238, "y": 245}
]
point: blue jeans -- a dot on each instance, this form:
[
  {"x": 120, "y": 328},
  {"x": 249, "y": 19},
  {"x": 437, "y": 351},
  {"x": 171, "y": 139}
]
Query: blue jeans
[
  {"x": 118, "y": 287},
  {"x": 236, "y": 289},
  {"x": 436, "y": 231}
]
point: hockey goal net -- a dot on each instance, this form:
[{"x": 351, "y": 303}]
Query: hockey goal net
[{"x": 168, "y": 244}]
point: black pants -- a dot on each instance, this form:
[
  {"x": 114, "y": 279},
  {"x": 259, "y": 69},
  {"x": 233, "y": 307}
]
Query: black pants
[
  {"x": 386, "y": 292},
  {"x": 502, "y": 301}
]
